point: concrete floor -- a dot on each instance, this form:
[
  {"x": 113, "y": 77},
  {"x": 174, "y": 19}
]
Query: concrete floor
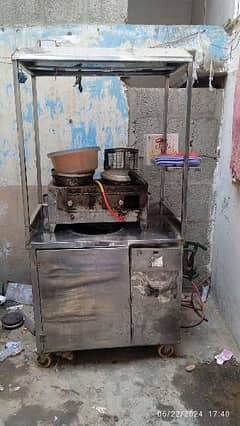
[{"x": 134, "y": 386}]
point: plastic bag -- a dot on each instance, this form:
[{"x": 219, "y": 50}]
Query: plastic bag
[{"x": 11, "y": 349}]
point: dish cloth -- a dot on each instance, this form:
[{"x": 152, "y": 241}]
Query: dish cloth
[{"x": 167, "y": 160}]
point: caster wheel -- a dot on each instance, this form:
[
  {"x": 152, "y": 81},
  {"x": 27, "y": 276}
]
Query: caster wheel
[
  {"x": 44, "y": 360},
  {"x": 166, "y": 351}
]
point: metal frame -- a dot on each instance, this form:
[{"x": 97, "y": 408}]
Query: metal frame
[{"x": 96, "y": 62}]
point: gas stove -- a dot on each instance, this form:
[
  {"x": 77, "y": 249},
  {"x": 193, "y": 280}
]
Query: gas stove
[{"x": 74, "y": 199}]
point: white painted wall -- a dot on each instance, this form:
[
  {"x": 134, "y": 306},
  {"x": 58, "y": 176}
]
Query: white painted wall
[
  {"x": 226, "y": 243},
  {"x": 226, "y": 247}
]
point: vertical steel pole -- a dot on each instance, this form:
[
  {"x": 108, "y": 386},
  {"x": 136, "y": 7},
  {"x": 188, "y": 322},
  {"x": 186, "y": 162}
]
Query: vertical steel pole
[
  {"x": 23, "y": 169},
  {"x": 165, "y": 132},
  {"x": 37, "y": 142},
  {"x": 186, "y": 150},
  {"x": 165, "y": 116}
]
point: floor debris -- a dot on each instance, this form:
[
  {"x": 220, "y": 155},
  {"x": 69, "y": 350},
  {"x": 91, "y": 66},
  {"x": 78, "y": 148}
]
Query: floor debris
[
  {"x": 2, "y": 300},
  {"x": 224, "y": 356},
  {"x": 190, "y": 368},
  {"x": 21, "y": 293},
  {"x": 11, "y": 349},
  {"x": 12, "y": 388},
  {"x": 101, "y": 410},
  {"x": 129, "y": 386}
]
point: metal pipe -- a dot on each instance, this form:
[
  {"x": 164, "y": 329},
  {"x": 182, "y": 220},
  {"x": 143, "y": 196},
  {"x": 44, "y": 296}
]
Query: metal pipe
[
  {"x": 186, "y": 151},
  {"x": 37, "y": 142},
  {"x": 165, "y": 132},
  {"x": 165, "y": 113},
  {"x": 35, "y": 213},
  {"x": 23, "y": 168}
]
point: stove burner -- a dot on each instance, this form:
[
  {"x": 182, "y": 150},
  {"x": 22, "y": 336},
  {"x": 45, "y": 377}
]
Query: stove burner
[
  {"x": 78, "y": 199},
  {"x": 60, "y": 179},
  {"x": 116, "y": 176}
]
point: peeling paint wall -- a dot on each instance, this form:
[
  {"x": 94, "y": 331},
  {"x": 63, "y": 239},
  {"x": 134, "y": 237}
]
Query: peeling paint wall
[{"x": 97, "y": 116}]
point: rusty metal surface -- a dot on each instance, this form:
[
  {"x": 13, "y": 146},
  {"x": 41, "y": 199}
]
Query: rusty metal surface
[
  {"x": 84, "y": 298},
  {"x": 84, "y": 203},
  {"x": 156, "y": 295},
  {"x": 117, "y": 289}
]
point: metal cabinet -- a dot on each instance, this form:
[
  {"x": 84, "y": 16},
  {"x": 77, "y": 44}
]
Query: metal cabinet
[
  {"x": 84, "y": 298},
  {"x": 108, "y": 297},
  {"x": 155, "y": 295}
]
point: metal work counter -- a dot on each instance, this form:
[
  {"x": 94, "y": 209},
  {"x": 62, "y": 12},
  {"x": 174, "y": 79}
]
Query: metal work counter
[{"x": 126, "y": 236}]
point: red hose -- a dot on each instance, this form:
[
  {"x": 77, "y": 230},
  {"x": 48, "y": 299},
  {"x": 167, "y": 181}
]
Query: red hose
[
  {"x": 115, "y": 215},
  {"x": 190, "y": 304}
]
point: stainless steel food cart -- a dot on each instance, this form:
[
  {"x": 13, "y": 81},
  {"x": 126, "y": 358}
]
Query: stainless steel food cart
[{"x": 115, "y": 289}]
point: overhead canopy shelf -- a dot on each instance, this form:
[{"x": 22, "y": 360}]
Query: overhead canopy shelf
[{"x": 72, "y": 61}]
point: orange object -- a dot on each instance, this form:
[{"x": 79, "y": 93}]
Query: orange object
[
  {"x": 75, "y": 161},
  {"x": 114, "y": 214}
]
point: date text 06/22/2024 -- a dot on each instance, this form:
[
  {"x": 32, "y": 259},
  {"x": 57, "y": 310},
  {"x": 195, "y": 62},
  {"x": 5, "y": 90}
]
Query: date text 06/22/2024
[{"x": 192, "y": 413}]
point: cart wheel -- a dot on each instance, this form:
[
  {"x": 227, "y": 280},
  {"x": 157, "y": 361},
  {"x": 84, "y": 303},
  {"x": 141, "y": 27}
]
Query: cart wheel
[
  {"x": 166, "y": 351},
  {"x": 44, "y": 360}
]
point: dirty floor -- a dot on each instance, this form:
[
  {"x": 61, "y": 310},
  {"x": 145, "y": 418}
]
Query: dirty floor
[{"x": 125, "y": 387}]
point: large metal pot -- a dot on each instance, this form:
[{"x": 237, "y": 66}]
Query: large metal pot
[{"x": 75, "y": 161}]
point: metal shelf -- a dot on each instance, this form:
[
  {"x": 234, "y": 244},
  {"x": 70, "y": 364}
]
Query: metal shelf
[{"x": 70, "y": 61}]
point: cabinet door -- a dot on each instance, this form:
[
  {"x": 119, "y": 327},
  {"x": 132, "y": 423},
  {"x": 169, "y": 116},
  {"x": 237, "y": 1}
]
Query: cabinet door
[
  {"x": 156, "y": 295},
  {"x": 84, "y": 298}
]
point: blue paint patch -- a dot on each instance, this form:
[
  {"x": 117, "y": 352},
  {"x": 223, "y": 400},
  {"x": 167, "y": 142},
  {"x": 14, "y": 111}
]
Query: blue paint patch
[
  {"x": 82, "y": 137},
  {"x": 8, "y": 88},
  {"x": 105, "y": 87},
  {"x": 96, "y": 87},
  {"x": 28, "y": 114},
  {"x": 54, "y": 106},
  {"x": 7, "y": 152},
  {"x": 109, "y": 138},
  {"x": 40, "y": 110},
  {"x": 27, "y": 90},
  {"x": 116, "y": 90},
  {"x": 27, "y": 143}
]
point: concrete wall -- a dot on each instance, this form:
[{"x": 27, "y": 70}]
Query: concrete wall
[
  {"x": 226, "y": 233},
  {"x": 146, "y": 116},
  {"x": 54, "y": 12},
  {"x": 226, "y": 265},
  {"x": 97, "y": 116},
  {"x": 198, "y": 12},
  {"x": 219, "y": 11},
  {"x": 165, "y": 12}
]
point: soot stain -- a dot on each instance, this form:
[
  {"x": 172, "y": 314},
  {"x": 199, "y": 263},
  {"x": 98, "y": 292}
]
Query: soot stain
[
  {"x": 212, "y": 390},
  {"x": 32, "y": 415}
]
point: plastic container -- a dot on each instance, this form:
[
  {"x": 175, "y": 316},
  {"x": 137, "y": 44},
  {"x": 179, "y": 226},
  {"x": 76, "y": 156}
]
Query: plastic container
[{"x": 75, "y": 161}]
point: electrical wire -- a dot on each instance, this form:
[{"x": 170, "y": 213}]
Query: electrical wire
[
  {"x": 115, "y": 215},
  {"x": 191, "y": 304}
]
